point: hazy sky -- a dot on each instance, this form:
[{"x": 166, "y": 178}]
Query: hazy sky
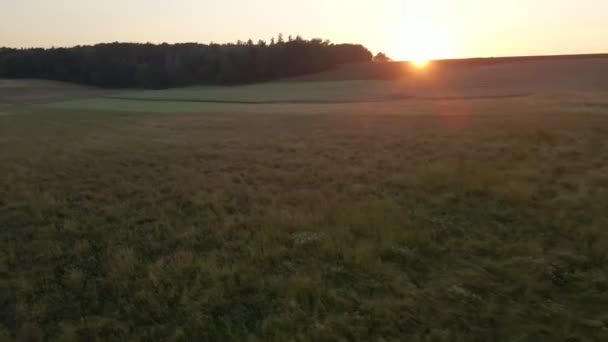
[{"x": 402, "y": 28}]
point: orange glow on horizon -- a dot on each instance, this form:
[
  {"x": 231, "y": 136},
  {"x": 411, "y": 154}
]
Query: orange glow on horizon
[{"x": 420, "y": 63}]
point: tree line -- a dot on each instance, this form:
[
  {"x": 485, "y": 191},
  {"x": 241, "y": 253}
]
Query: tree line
[{"x": 169, "y": 65}]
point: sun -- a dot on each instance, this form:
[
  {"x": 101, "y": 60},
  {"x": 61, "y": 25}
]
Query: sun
[
  {"x": 422, "y": 42},
  {"x": 423, "y": 47},
  {"x": 420, "y": 62}
]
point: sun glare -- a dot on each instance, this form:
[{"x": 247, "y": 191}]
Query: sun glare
[
  {"x": 420, "y": 62},
  {"x": 423, "y": 42},
  {"x": 425, "y": 46}
]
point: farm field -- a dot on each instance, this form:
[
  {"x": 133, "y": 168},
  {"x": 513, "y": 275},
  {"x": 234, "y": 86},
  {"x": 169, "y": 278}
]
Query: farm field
[
  {"x": 463, "y": 210},
  {"x": 438, "y": 83}
]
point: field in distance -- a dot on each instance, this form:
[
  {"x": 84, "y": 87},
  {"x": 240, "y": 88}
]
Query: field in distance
[
  {"x": 456, "y": 213},
  {"x": 437, "y": 82}
]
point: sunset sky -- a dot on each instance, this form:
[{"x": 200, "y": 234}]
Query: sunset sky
[{"x": 403, "y": 29}]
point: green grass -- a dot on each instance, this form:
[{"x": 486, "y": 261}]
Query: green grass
[
  {"x": 435, "y": 220},
  {"x": 339, "y": 91},
  {"x": 394, "y": 107}
]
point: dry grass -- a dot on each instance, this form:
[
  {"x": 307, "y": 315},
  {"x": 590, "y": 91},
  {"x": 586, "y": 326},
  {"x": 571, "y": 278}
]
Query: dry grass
[{"x": 418, "y": 220}]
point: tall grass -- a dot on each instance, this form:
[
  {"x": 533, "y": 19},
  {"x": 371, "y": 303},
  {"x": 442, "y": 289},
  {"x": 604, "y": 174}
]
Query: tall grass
[{"x": 460, "y": 220}]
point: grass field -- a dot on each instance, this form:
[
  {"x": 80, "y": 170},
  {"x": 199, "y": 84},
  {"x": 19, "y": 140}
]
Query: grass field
[{"x": 424, "y": 219}]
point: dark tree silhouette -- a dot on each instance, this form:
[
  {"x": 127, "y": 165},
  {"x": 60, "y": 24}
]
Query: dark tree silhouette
[
  {"x": 168, "y": 65},
  {"x": 381, "y": 57}
]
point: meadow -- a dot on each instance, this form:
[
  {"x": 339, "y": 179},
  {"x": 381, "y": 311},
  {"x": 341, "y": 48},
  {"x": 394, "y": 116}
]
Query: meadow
[{"x": 476, "y": 217}]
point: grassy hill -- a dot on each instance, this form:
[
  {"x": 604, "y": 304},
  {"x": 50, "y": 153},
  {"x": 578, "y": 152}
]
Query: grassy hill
[
  {"x": 376, "y": 82},
  {"x": 543, "y": 71},
  {"x": 519, "y": 78}
]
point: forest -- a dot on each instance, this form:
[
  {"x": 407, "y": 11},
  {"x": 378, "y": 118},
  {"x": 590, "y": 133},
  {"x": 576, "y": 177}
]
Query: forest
[{"x": 149, "y": 65}]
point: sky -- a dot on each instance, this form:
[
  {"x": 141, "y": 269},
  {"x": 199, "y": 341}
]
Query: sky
[{"x": 404, "y": 29}]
